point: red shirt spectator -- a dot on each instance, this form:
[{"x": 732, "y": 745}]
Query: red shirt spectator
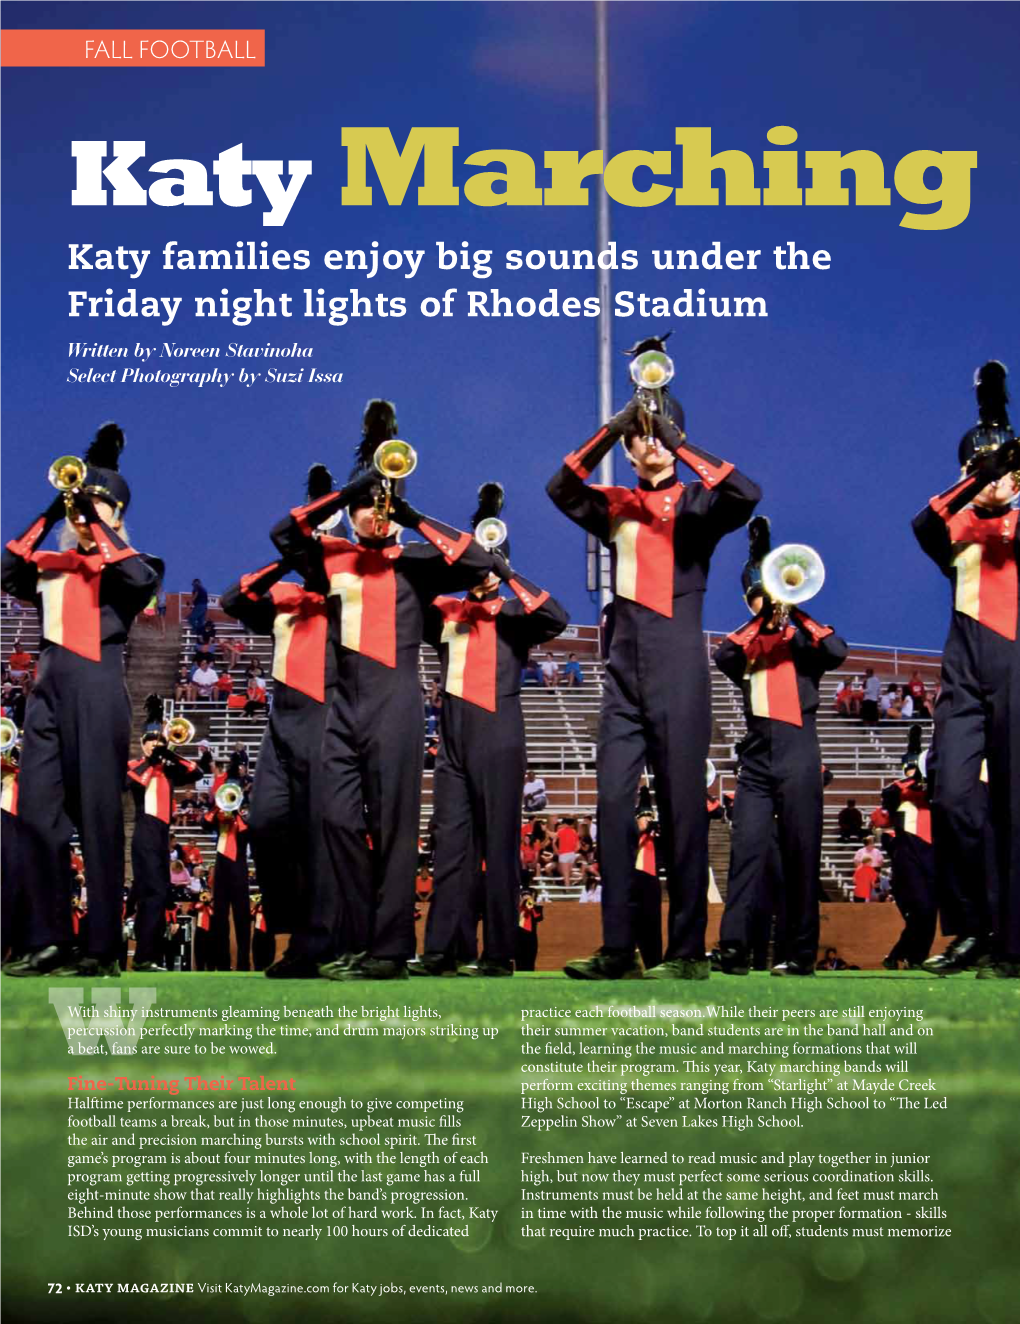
[
  {"x": 566, "y": 840},
  {"x": 865, "y": 878}
]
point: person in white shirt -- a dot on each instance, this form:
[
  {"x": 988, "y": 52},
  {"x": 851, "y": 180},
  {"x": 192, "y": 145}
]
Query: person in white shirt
[
  {"x": 203, "y": 679},
  {"x": 550, "y": 672},
  {"x": 869, "y": 853},
  {"x": 535, "y": 797}
]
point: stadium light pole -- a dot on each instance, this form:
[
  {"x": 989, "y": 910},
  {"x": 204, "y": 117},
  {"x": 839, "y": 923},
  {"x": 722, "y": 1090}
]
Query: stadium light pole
[{"x": 604, "y": 279}]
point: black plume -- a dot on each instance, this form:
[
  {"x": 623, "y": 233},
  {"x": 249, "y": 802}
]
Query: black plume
[
  {"x": 319, "y": 483},
  {"x": 992, "y": 396},
  {"x": 104, "y": 452},
  {"x": 759, "y": 538},
  {"x": 379, "y": 424},
  {"x": 490, "y": 503},
  {"x": 153, "y": 708},
  {"x": 914, "y": 740}
]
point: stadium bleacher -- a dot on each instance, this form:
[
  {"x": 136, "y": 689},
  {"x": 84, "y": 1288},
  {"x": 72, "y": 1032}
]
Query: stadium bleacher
[{"x": 561, "y": 726}]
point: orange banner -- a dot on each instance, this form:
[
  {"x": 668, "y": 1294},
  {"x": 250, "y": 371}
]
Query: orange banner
[{"x": 133, "y": 48}]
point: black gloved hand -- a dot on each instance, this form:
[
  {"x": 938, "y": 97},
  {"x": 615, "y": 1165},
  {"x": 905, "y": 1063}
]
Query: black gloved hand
[
  {"x": 501, "y": 568},
  {"x": 405, "y": 515},
  {"x": 360, "y": 487},
  {"x": 56, "y": 510},
  {"x": 625, "y": 423},
  {"x": 665, "y": 431},
  {"x": 1006, "y": 458},
  {"x": 84, "y": 510}
]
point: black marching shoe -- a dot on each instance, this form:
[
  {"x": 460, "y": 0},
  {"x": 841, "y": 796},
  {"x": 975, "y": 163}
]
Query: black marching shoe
[
  {"x": 793, "y": 968},
  {"x": 43, "y": 961},
  {"x": 334, "y": 969},
  {"x": 148, "y": 968},
  {"x": 681, "y": 968},
  {"x": 485, "y": 969},
  {"x": 991, "y": 968},
  {"x": 733, "y": 960},
  {"x": 961, "y": 954},
  {"x": 372, "y": 967},
  {"x": 434, "y": 966},
  {"x": 88, "y": 967},
  {"x": 606, "y": 964}
]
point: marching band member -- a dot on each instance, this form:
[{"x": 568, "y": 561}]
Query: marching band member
[
  {"x": 778, "y": 662},
  {"x": 12, "y": 893},
  {"x": 656, "y": 698},
  {"x": 483, "y": 642},
  {"x": 913, "y": 863},
  {"x": 152, "y": 779},
  {"x": 203, "y": 913},
  {"x": 379, "y": 591},
  {"x": 78, "y": 720},
  {"x": 230, "y": 880},
  {"x": 299, "y": 882},
  {"x": 970, "y": 532}
]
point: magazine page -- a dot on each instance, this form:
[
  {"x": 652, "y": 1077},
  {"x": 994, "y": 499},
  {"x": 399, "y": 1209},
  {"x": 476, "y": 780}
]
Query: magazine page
[{"x": 511, "y": 700}]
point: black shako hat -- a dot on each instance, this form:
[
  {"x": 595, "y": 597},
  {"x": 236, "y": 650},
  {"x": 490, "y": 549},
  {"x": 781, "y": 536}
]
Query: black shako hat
[
  {"x": 993, "y": 417},
  {"x": 759, "y": 544},
  {"x": 490, "y": 502},
  {"x": 378, "y": 424},
  {"x": 102, "y": 479},
  {"x": 153, "y": 715}
]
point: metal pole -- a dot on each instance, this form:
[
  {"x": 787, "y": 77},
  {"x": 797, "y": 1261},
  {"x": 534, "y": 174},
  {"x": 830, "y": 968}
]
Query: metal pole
[{"x": 605, "y": 325}]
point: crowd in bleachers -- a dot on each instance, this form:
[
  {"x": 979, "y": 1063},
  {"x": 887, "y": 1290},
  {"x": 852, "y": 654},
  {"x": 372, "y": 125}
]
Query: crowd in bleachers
[{"x": 872, "y": 700}]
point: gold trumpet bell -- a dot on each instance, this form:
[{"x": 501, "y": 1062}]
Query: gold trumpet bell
[
  {"x": 491, "y": 533},
  {"x": 229, "y": 797},
  {"x": 395, "y": 459},
  {"x": 66, "y": 473},
  {"x": 792, "y": 573},
  {"x": 652, "y": 370},
  {"x": 179, "y": 732},
  {"x": 8, "y": 735}
]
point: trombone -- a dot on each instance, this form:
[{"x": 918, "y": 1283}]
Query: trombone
[
  {"x": 392, "y": 460},
  {"x": 790, "y": 575}
]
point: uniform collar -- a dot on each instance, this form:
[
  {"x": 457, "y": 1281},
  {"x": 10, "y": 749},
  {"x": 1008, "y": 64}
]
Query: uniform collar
[{"x": 644, "y": 485}]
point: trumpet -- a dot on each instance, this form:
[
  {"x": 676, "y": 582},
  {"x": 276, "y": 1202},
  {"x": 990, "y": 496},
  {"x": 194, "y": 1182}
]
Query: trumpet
[
  {"x": 791, "y": 574},
  {"x": 66, "y": 474},
  {"x": 178, "y": 731},
  {"x": 229, "y": 797},
  {"x": 651, "y": 372},
  {"x": 392, "y": 460},
  {"x": 491, "y": 533},
  {"x": 8, "y": 735}
]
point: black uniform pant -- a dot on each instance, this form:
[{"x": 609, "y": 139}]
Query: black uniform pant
[
  {"x": 204, "y": 949},
  {"x": 73, "y": 764},
  {"x": 779, "y": 789},
  {"x": 13, "y": 901},
  {"x": 656, "y": 710},
  {"x": 231, "y": 896},
  {"x": 150, "y": 856},
  {"x": 977, "y": 718},
  {"x": 913, "y": 889},
  {"x": 477, "y": 817},
  {"x": 372, "y": 764},
  {"x": 768, "y": 924},
  {"x": 646, "y": 904},
  {"x": 294, "y": 869}
]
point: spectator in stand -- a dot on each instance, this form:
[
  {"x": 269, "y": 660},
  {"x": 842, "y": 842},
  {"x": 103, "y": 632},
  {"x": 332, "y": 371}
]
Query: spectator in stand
[
  {"x": 850, "y": 822},
  {"x": 191, "y": 854},
  {"x": 530, "y": 674},
  {"x": 224, "y": 685},
  {"x": 19, "y": 664},
  {"x": 881, "y": 889},
  {"x": 257, "y": 694},
  {"x": 161, "y": 608},
  {"x": 550, "y": 672},
  {"x": 234, "y": 647},
  {"x": 918, "y": 693},
  {"x": 566, "y": 848},
  {"x": 546, "y": 863},
  {"x": 906, "y": 705},
  {"x": 199, "y": 880},
  {"x": 832, "y": 961},
  {"x": 849, "y": 694},
  {"x": 865, "y": 877},
  {"x": 183, "y": 683},
  {"x": 872, "y": 694},
  {"x": 199, "y": 606},
  {"x": 573, "y": 676},
  {"x": 591, "y": 887},
  {"x": 206, "y": 645},
  {"x": 869, "y": 853},
  {"x": 535, "y": 796},
  {"x": 180, "y": 875},
  {"x": 203, "y": 681},
  {"x": 889, "y": 704}
]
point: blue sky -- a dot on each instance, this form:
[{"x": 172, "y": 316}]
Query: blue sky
[{"x": 846, "y": 403}]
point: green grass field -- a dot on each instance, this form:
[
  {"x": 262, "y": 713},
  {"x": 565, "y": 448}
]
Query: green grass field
[{"x": 974, "y": 1057}]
